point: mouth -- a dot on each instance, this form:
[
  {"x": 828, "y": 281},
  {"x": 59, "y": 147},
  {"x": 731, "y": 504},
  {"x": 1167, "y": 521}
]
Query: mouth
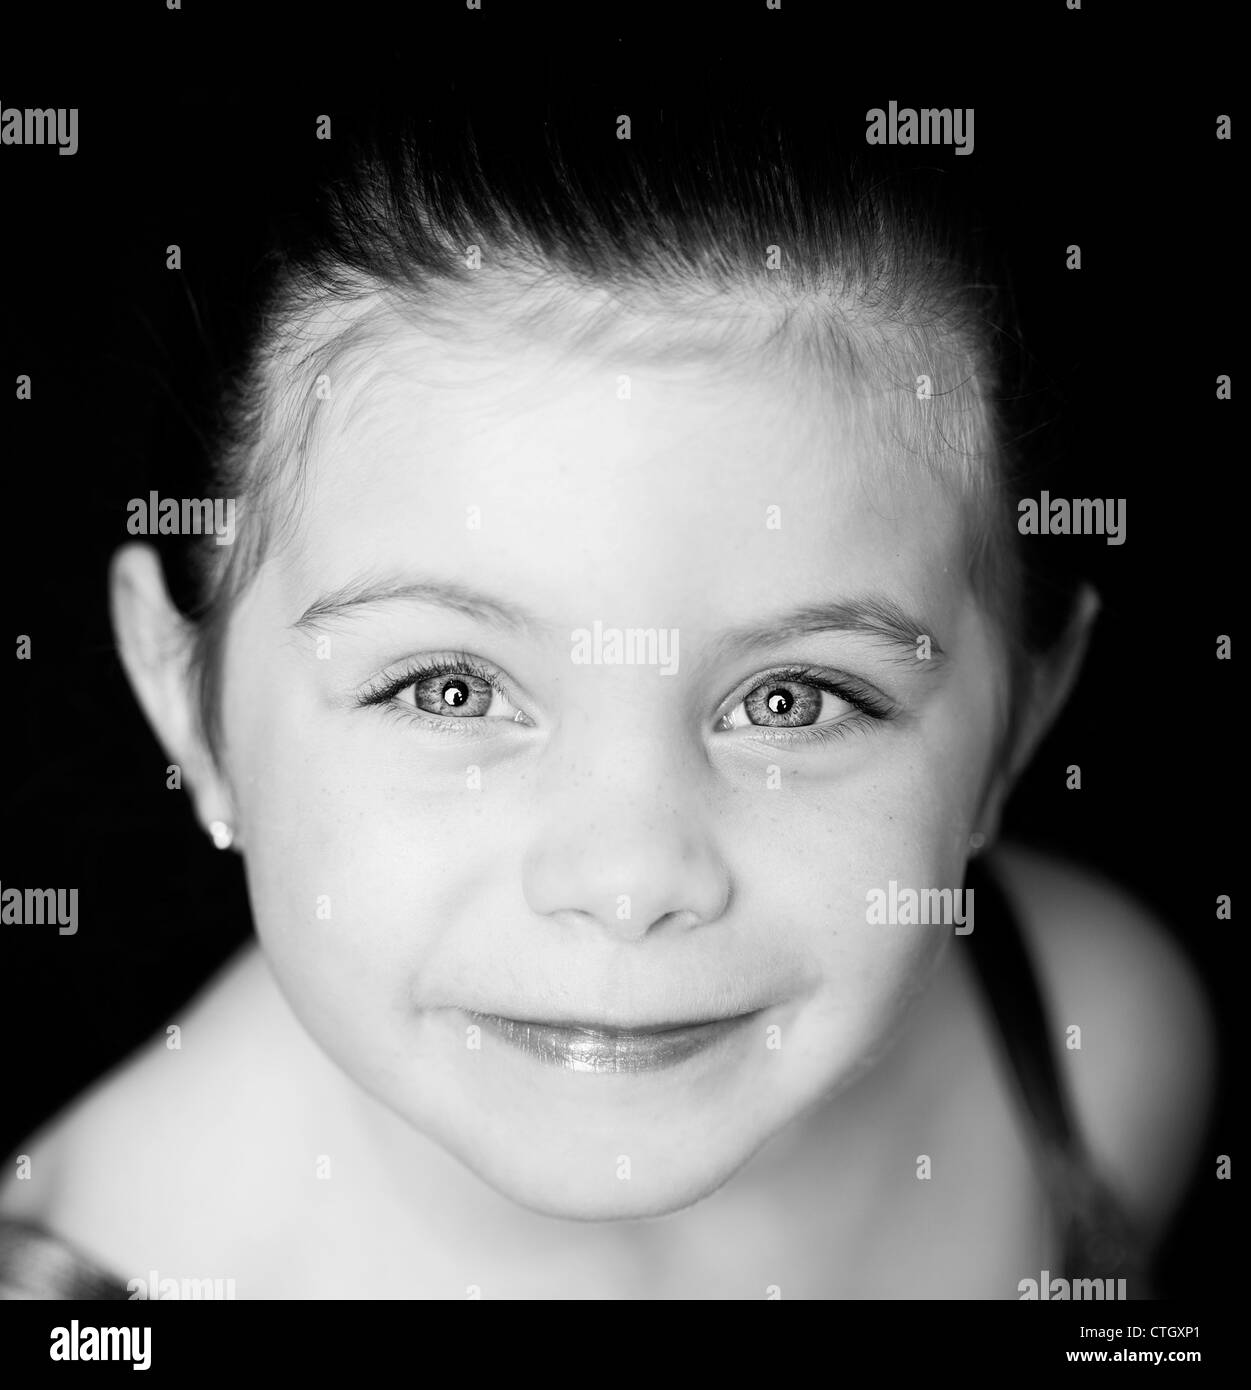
[{"x": 595, "y": 1048}]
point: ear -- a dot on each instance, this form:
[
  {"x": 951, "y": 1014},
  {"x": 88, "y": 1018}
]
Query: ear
[
  {"x": 1049, "y": 686},
  {"x": 155, "y": 643}
]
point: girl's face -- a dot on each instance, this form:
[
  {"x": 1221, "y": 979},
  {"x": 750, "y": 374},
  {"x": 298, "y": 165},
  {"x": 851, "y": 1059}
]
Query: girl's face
[{"x": 675, "y": 725}]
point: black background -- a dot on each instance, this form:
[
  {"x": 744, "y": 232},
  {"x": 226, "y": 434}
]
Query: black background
[{"x": 1080, "y": 145}]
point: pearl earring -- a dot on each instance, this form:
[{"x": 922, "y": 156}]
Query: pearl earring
[
  {"x": 976, "y": 841},
  {"x": 223, "y": 836}
]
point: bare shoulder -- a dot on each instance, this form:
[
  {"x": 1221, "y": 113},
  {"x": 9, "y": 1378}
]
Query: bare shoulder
[
  {"x": 132, "y": 1164},
  {"x": 1133, "y": 1026}
]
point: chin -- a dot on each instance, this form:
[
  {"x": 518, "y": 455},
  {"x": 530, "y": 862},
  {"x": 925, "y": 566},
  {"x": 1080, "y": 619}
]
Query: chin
[{"x": 571, "y": 1187}]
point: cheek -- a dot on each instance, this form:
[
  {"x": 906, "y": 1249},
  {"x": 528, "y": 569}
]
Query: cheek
[
  {"x": 868, "y": 970},
  {"x": 359, "y": 866},
  {"x": 825, "y": 853}
]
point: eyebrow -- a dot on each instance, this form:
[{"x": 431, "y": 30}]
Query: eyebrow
[
  {"x": 445, "y": 594},
  {"x": 872, "y": 615}
]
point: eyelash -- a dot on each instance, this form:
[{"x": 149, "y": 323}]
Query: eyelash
[
  {"x": 871, "y": 708},
  {"x": 384, "y": 692}
]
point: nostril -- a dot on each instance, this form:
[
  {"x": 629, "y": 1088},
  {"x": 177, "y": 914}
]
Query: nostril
[{"x": 683, "y": 919}]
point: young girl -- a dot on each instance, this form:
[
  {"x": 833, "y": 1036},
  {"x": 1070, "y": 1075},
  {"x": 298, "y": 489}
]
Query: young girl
[{"x": 612, "y": 684}]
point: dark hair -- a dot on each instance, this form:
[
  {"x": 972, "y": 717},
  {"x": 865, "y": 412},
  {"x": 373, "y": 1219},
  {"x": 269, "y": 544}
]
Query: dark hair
[{"x": 697, "y": 233}]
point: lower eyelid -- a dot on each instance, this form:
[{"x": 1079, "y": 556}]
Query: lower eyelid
[
  {"x": 859, "y": 721},
  {"x": 830, "y": 731},
  {"x": 410, "y": 715}
]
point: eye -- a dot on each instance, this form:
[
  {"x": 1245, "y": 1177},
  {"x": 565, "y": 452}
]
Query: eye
[
  {"x": 786, "y": 704},
  {"x": 800, "y": 704},
  {"x": 457, "y": 689}
]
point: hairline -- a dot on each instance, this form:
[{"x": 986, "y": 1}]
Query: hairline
[{"x": 317, "y": 336}]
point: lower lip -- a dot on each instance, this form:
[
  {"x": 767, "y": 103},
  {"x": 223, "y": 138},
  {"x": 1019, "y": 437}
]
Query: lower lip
[{"x": 605, "y": 1050}]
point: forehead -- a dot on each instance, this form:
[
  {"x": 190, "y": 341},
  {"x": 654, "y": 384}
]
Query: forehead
[{"x": 613, "y": 483}]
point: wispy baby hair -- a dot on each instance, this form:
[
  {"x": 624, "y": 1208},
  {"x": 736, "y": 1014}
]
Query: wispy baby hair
[{"x": 698, "y": 238}]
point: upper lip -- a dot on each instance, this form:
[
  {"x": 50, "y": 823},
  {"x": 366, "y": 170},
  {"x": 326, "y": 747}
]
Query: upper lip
[{"x": 613, "y": 1029}]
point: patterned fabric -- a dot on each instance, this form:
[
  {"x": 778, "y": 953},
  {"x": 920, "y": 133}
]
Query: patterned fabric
[{"x": 36, "y": 1264}]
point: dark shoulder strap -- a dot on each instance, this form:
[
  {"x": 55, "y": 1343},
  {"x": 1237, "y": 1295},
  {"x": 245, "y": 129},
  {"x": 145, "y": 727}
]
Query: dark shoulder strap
[
  {"x": 36, "y": 1264},
  {"x": 1097, "y": 1239}
]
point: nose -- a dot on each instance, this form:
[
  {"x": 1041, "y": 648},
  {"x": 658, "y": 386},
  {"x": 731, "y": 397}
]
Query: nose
[{"x": 627, "y": 849}]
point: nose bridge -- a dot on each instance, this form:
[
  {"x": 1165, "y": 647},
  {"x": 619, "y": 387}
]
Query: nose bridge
[{"x": 624, "y": 838}]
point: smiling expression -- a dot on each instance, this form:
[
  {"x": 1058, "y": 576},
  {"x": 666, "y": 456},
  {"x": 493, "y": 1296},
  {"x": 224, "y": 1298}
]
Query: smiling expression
[{"x": 486, "y": 872}]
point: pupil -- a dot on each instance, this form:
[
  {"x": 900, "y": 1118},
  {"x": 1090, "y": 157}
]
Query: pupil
[
  {"x": 455, "y": 693},
  {"x": 780, "y": 702}
]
